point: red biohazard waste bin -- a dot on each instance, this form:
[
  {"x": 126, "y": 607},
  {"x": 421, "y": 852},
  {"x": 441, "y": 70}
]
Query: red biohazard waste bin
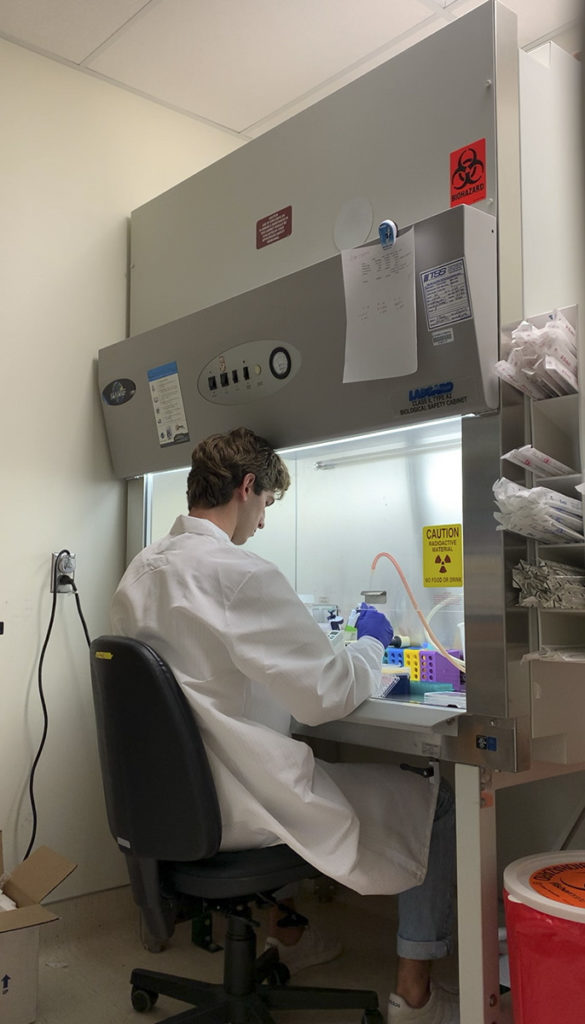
[{"x": 544, "y": 897}]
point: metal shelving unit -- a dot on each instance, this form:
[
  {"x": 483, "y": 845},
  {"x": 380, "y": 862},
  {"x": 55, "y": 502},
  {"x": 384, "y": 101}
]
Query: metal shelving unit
[{"x": 557, "y": 687}]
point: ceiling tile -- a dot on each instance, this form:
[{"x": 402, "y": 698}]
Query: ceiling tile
[
  {"x": 70, "y": 29},
  {"x": 248, "y": 64},
  {"x": 234, "y": 62}
]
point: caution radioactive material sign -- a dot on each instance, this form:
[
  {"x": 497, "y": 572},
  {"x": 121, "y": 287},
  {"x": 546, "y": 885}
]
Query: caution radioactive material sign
[{"x": 443, "y": 555}]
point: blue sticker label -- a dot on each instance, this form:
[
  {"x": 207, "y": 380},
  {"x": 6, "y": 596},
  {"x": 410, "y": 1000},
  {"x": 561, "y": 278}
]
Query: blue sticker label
[
  {"x": 167, "y": 404},
  {"x": 486, "y": 743}
]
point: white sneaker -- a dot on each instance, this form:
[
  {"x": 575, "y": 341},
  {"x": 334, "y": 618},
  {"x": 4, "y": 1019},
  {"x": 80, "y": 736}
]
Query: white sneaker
[
  {"x": 442, "y": 1007},
  {"x": 311, "y": 949}
]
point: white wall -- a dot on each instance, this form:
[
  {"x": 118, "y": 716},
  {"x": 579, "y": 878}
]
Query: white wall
[
  {"x": 77, "y": 156},
  {"x": 552, "y": 178}
]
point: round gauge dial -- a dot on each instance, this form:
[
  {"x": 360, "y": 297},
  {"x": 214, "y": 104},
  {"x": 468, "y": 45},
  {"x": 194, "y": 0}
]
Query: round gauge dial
[{"x": 280, "y": 363}]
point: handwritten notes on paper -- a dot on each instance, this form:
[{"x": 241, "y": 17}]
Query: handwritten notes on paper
[{"x": 380, "y": 309}]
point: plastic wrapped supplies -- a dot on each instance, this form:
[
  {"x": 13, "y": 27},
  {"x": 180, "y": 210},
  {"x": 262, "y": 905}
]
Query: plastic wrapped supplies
[
  {"x": 541, "y": 362},
  {"x": 549, "y": 585},
  {"x": 537, "y": 462},
  {"x": 538, "y": 512}
]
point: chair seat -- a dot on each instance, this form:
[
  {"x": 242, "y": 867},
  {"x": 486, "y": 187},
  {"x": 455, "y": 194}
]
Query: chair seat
[{"x": 230, "y": 874}]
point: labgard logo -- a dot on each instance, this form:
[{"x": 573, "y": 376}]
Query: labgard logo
[{"x": 418, "y": 394}]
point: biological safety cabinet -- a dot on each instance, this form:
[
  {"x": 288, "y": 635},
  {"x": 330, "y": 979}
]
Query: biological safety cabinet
[
  {"x": 246, "y": 308},
  {"x": 230, "y": 330},
  {"x": 243, "y": 312}
]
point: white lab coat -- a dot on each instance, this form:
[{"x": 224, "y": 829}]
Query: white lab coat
[{"x": 248, "y": 655}]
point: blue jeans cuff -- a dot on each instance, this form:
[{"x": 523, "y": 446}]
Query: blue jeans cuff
[{"x": 412, "y": 950}]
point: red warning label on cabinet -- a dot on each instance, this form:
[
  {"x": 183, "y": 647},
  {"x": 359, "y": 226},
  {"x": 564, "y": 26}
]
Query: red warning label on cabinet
[
  {"x": 274, "y": 227},
  {"x": 468, "y": 174}
]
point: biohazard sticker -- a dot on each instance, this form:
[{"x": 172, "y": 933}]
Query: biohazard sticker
[
  {"x": 564, "y": 883},
  {"x": 468, "y": 174},
  {"x": 442, "y": 555}
]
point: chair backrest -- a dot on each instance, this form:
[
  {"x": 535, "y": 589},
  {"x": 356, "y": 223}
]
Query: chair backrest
[{"x": 160, "y": 795}]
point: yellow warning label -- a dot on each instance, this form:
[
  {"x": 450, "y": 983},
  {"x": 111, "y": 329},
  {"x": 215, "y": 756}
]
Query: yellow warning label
[
  {"x": 564, "y": 883},
  {"x": 443, "y": 555}
]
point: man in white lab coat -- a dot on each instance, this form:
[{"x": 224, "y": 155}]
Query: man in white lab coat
[{"x": 248, "y": 655}]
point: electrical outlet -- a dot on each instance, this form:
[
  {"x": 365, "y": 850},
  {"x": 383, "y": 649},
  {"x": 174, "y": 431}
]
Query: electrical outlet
[{"x": 62, "y": 564}]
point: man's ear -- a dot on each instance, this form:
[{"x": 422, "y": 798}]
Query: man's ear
[{"x": 247, "y": 486}]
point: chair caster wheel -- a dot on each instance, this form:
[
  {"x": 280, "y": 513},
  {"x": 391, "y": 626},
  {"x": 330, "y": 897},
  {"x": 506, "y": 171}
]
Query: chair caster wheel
[
  {"x": 143, "y": 999},
  {"x": 372, "y": 1017}
]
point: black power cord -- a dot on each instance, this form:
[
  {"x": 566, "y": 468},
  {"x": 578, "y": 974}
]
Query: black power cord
[
  {"x": 66, "y": 579},
  {"x": 59, "y": 578}
]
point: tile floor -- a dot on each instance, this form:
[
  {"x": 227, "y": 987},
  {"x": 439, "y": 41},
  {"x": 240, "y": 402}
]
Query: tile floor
[{"x": 86, "y": 958}]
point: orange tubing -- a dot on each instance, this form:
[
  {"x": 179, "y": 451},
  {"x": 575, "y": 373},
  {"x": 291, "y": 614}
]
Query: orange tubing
[{"x": 457, "y": 662}]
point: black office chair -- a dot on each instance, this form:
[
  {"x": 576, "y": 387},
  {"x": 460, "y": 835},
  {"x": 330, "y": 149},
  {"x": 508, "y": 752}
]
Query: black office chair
[{"x": 164, "y": 814}]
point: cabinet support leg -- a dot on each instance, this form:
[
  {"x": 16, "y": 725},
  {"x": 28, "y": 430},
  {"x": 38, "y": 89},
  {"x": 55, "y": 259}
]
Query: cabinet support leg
[{"x": 477, "y": 896}]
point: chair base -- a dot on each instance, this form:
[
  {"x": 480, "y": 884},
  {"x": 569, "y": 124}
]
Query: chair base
[
  {"x": 211, "y": 1004},
  {"x": 245, "y": 997}
]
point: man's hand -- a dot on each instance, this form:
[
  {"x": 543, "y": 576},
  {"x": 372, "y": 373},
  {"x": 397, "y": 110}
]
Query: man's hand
[{"x": 371, "y": 622}]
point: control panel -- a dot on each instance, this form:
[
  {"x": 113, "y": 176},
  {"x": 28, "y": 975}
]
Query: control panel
[{"x": 248, "y": 371}]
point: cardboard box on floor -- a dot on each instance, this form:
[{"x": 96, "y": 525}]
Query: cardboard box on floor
[{"x": 28, "y": 884}]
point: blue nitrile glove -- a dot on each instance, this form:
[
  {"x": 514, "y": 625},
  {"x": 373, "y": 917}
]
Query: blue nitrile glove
[{"x": 371, "y": 622}]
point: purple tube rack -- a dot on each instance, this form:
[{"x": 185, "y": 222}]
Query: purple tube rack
[{"x": 435, "y": 668}]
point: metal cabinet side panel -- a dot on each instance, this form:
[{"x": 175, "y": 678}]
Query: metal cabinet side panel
[{"x": 483, "y": 570}]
